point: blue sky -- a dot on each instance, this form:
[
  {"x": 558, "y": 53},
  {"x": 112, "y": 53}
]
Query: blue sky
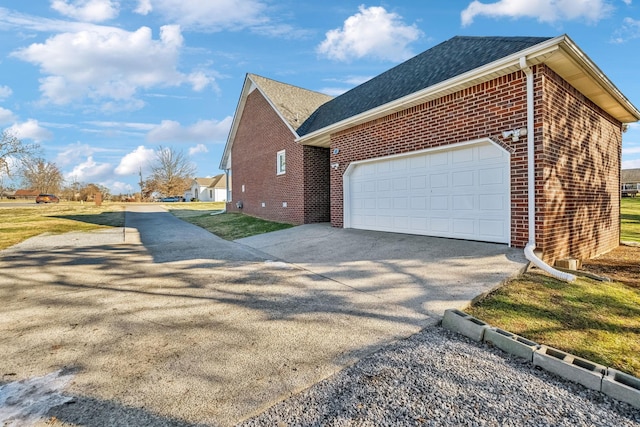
[{"x": 100, "y": 84}]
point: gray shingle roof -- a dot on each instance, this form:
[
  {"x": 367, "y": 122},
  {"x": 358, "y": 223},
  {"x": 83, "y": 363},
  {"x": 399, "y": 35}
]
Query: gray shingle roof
[{"x": 442, "y": 62}]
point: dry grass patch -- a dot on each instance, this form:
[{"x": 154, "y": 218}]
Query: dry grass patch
[{"x": 20, "y": 223}]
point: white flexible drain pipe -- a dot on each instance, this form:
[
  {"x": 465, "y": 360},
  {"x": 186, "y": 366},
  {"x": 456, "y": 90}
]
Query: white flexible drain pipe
[{"x": 531, "y": 245}]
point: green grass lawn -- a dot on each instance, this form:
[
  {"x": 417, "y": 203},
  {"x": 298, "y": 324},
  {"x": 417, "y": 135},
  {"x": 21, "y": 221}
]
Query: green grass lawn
[
  {"x": 630, "y": 219},
  {"x": 229, "y": 226},
  {"x": 599, "y": 321}
]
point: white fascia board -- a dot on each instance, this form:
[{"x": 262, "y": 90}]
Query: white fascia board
[
  {"x": 248, "y": 87},
  {"x": 225, "y": 161}
]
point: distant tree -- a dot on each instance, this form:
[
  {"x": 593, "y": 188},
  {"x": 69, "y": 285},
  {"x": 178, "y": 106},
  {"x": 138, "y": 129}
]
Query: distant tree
[
  {"x": 40, "y": 175},
  {"x": 12, "y": 152},
  {"x": 171, "y": 172}
]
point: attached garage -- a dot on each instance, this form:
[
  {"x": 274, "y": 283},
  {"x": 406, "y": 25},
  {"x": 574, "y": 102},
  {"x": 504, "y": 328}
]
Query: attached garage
[{"x": 460, "y": 191}]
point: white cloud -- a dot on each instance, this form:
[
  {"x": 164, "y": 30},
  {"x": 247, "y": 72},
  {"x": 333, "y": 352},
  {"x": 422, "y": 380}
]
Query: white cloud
[
  {"x": 630, "y": 150},
  {"x": 90, "y": 171},
  {"x": 118, "y": 187},
  {"x": 87, "y": 10},
  {"x": 144, "y": 7},
  {"x": 6, "y": 116},
  {"x": 627, "y": 2},
  {"x": 543, "y": 10},
  {"x": 30, "y": 129},
  {"x": 122, "y": 125},
  {"x": 24, "y": 22},
  {"x": 629, "y": 30},
  {"x": 631, "y": 164},
  {"x": 209, "y": 15},
  {"x": 200, "y": 148},
  {"x": 5, "y": 92},
  {"x": 371, "y": 32},
  {"x": 201, "y": 131},
  {"x": 74, "y": 153},
  {"x": 132, "y": 162},
  {"x": 109, "y": 63}
]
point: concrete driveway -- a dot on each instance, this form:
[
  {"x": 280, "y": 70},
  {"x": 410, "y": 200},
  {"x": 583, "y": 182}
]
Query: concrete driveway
[
  {"x": 426, "y": 275},
  {"x": 161, "y": 323}
]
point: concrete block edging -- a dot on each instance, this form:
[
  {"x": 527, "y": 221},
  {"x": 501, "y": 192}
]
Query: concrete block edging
[
  {"x": 462, "y": 323},
  {"x": 613, "y": 383}
]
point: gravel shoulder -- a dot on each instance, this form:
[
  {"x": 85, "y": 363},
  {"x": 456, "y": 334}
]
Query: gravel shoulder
[{"x": 438, "y": 378}]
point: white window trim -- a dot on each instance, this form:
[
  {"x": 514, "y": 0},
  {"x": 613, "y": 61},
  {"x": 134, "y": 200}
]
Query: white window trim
[{"x": 279, "y": 155}]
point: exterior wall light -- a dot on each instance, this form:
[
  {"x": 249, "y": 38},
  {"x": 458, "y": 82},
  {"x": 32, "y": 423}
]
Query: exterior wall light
[{"x": 515, "y": 134}]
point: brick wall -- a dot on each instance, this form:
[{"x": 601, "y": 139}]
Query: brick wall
[
  {"x": 483, "y": 111},
  {"x": 260, "y": 135},
  {"x": 316, "y": 184},
  {"x": 577, "y": 152},
  {"x": 580, "y": 200}
]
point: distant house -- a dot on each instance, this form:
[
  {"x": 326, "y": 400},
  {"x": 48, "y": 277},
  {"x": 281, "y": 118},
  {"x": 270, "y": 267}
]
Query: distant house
[
  {"x": 630, "y": 182},
  {"x": 26, "y": 194},
  {"x": 208, "y": 189},
  {"x": 493, "y": 139}
]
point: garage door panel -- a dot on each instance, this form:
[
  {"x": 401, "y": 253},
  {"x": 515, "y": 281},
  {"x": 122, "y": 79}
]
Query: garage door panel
[
  {"x": 463, "y": 202},
  {"x": 462, "y": 179},
  {"x": 493, "y": 176},
  {"x": 440, "y": 226},
  {"x": 492, "y": 202},
  {"x": 438, "y": 160},
  {"x": 439, "y": 180},
  {"x": 464, "y": 155},
  {"x": 491, "y": 228},
  {"x": 464, "y": 227},
  {"x": 439, "y": 203},
  {"x": 460, "y": 193}
]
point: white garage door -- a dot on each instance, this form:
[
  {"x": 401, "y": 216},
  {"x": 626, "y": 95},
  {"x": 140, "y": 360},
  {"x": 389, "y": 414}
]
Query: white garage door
[{"x": 460, "y": 192}]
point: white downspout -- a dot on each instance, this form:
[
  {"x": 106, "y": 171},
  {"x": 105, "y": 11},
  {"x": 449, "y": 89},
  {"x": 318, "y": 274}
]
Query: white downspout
[
  {"x": 531, "y": 183},
  {"x": 226, "y": 175}
]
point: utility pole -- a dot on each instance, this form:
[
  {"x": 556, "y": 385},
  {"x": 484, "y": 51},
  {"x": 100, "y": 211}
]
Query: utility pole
[{"x": 141, "y": 183}]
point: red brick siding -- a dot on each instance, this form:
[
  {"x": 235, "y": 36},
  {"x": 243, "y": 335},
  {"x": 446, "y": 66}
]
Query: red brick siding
[
  {"x": 482, "y": 111},
  {"x": 577, "y": 152},
  {"x": 580, "y": 201},
  {"x": 316, "y": 185},
  {"x": 260, "y": 135}
]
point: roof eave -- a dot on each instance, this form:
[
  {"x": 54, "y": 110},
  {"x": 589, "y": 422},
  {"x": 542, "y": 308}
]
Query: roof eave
[{"x": 540, "y": 53}]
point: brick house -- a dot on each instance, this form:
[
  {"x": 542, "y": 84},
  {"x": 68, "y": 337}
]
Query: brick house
[
  {"x": 448, "y": 144},
  {"x": 275, "y": 177}
]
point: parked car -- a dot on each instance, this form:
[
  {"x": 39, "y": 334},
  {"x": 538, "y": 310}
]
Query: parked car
[{"x": 47, "y": 198}]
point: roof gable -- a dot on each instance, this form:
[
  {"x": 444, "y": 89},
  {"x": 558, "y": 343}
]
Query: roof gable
[
  {"x": 440, "y": 63},
  {"x": 219, "y": 181},
  {"x": 293, "y": 104},
  {"x": 203, "y": 182}
]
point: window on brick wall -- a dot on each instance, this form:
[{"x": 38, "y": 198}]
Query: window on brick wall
[{"x": 281, "y": 162}]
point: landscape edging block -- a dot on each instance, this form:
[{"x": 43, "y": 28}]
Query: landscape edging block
[
  {"x": 622, "y": 386},
  {"x": 570, "y": 367},
  {"x": 511, "y": 343},
  {"x": 463, "y": 323}
]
